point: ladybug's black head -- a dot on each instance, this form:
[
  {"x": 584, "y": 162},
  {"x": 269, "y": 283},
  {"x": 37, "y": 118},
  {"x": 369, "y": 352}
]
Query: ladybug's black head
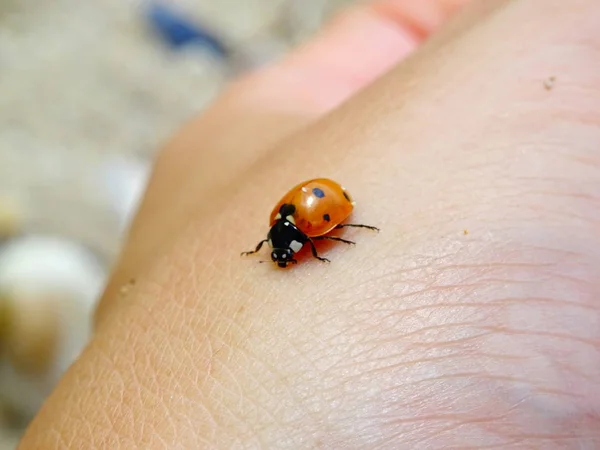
[
  {"x": 285, "y": 239},
  {"x": 283, "y": 256}
]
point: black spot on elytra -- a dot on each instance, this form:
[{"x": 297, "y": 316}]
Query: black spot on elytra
[
  {"x": 318, "y": 192},
  {"x": 326, "y": 217}
]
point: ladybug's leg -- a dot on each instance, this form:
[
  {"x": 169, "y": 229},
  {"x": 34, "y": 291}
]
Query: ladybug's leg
[
  {"x": 356, "y": 225},
  {"x": 314, "y": 251},
  {"x": 332, "y": 238},
  {"x": 258, "y": 247}
]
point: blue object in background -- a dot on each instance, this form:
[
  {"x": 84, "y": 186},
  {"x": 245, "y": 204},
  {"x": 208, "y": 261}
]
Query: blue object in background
[{"x": 179, "y": 31}]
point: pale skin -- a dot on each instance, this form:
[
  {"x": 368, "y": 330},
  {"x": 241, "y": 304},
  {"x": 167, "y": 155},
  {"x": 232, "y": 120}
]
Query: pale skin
[{"x": 472, "y": 320}]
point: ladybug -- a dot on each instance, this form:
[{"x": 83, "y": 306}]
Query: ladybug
[{"x": 306, "y": 214}]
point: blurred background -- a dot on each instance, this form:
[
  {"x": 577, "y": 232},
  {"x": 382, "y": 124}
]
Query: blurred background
[{"x": 88, "y": 93}]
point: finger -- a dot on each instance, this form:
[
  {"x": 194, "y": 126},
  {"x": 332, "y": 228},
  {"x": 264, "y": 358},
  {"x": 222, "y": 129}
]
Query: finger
[
  {"x": 253, "y": 114},
  {"x": 354, "y": 49}
]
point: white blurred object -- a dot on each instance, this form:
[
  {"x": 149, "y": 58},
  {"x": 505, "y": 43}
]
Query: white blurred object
[
  {"x": 48, "y": 289},
  {"x": 125, "y": 180}
]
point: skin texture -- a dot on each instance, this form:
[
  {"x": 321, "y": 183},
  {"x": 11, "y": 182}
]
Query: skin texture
[{"x": 471, "y": 321}]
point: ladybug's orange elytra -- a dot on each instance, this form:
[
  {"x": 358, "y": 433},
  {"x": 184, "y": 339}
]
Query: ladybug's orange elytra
[{"x": 320, "y": 205}]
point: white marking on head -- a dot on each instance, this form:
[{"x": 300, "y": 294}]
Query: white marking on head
[
  {"x": 287, "y": 224},
  {"x": 291, "y": 219},
  {"x": 270, "y": 243},
  {"x": 283, "y": 255},
  {"x": 278, "y": 216},
  {"x": 296, "y": 246}
]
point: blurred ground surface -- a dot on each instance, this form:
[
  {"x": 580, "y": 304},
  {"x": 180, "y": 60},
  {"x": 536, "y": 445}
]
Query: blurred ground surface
[{"x": 85, "y": 88}]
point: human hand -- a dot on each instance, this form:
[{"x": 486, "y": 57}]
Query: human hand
[{"x": 470, "y": 321}]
